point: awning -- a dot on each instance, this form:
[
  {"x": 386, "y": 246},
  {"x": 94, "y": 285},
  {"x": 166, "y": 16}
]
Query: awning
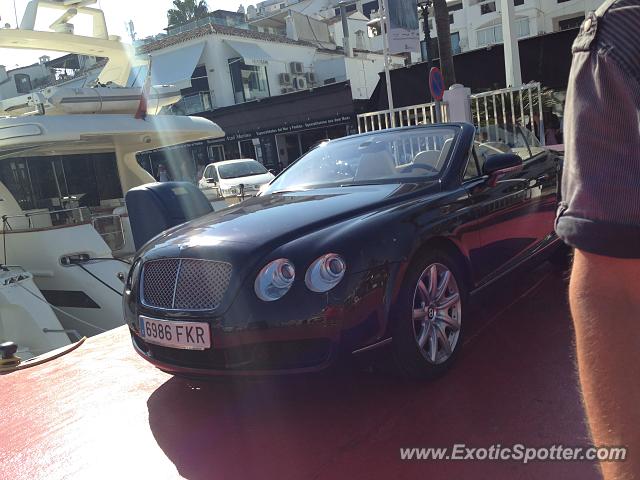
[
  {"x": 250, "y": 52},
  {"x": 176, "y": 67}
]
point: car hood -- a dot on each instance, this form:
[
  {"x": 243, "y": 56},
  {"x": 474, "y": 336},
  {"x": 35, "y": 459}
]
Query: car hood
[
  {"x": 250, "y": 180},
  {"x": 276, "y": 219}
]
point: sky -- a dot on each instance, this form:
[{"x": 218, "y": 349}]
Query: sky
[{"x": 149, "y": 18}]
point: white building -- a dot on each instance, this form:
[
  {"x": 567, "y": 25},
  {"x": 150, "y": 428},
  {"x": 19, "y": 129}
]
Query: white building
[
  {"x": 477, "y": 24},
  {"x": 70, "y": 70},
  {"x": 223, "y": 66},
  {"x": 473, "y": 23},
  {"x": 21, "y": 80},
  {"x": 275, "y": 96}
]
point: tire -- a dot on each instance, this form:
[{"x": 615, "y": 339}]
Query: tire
[{"x": 419, "y": 362}]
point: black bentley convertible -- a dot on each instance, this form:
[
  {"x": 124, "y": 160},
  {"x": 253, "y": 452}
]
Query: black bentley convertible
[{"x": 370, "y": 240}]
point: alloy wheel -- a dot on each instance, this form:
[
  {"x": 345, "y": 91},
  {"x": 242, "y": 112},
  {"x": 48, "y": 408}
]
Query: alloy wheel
[{"x": 437, "y": 313}]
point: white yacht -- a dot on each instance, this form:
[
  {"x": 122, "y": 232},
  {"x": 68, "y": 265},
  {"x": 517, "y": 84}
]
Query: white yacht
[{"x": 75, "y": 246}]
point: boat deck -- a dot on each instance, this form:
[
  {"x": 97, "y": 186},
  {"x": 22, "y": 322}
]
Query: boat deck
[{"x": 102, "y": 412}]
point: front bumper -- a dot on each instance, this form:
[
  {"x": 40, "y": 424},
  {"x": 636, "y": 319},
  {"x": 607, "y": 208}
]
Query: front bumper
[
  {"x": 258, "y": 359},
  {"x": 302, "y": 332}
]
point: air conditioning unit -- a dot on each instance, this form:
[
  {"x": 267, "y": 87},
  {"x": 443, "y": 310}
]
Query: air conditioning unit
[
  {"x": 287, "y": 90},
  {"x": 300, "y": 83},
  {"x": 285, "y": 79},
  {"x": 311, "y": 77},
  {"x": 296, "y": 67}
]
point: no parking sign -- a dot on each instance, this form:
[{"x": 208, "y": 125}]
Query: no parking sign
[{"x": 436, "y": 83}]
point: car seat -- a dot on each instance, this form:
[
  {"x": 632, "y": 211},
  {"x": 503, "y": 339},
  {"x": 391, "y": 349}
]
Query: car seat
[{"x": 375, "y": 165}]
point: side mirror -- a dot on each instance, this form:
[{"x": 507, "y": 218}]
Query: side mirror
[
  {"x": 498, "y": 165},
  {"x": 272, "y": 171}
]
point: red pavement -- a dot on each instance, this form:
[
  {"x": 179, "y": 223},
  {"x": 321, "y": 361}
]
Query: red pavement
[{"x": 102, "y": 412}]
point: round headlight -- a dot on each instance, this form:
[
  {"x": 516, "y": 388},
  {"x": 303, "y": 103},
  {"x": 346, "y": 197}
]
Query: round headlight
[
  {"x": 325, "y": 273},
  {"x": 275, "y": 280}
]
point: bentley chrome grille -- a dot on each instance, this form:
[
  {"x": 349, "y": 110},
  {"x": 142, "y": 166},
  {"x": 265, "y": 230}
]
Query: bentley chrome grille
[{"x": 184, "y": 283}]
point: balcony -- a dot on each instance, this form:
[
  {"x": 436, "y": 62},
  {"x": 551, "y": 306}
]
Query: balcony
[{"x": 194, "y": 104}]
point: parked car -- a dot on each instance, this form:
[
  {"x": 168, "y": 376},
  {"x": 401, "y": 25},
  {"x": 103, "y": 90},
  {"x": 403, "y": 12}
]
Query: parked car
[
  {"x": 233, "y": 179},
  {"x": 369, "y": 240}
]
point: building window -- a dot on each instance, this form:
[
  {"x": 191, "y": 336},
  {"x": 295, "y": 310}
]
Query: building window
[
  {"x": 369, "y": 7},
  {"x": 23, "y": 83},
  {"x": 455, "y": 43},
  {"x": 451, "y": 20},
  {"x": 517, "y": 3},
  {"x": 489, "y": 36},
  {"x": 487, "y": 8},
  {"x": 360, "y": 44},
  {"x": 562, "y": 1},
  {"x": 231, "y": 150},
  {"x": 454, "y": 7},
  {"x": 247, "y": 150},
  {"x": 349, "y": 8},
  {"x": 570, "y": 23},
  {"x": 493, "y": 35},
  {"x": 216, "y": 153},
  {"x": 522, "y": 27},
  {"x": 249, "y": 81}
]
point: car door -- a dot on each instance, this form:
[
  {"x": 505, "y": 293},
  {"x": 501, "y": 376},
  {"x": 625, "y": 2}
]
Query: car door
[
  {"x": 202, "y": 183},
  {"x": 515, "y": 217},
  {"x": 209, "y": 181}
]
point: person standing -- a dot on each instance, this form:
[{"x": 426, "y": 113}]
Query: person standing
[{"x": 599, "y": 216}]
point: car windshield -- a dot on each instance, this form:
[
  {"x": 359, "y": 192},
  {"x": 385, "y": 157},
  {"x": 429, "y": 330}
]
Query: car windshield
[
  {"x": 241, "y": 169},
  {"x": 387, "y": 156}
]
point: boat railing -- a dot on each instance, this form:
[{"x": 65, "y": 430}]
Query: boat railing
[
  {"x": 108, "y": 226},
  {"x": 110, "y": 229},
  {"x": 45, "y": 219}
]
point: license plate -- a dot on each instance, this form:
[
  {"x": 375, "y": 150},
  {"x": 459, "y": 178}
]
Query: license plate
[{"x": 184, "y": 335}]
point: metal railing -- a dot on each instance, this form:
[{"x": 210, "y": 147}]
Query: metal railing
[
  {"x": 109, "y": 227},
  {"x": 489, "y": 110},
  {"x": 196, "y": 103},
  {"x": 56, "y": 218},
  {"x": 400, "y": 117},
  {"x": 201, "y": 22},
  {"x": 508, "y": 106}
]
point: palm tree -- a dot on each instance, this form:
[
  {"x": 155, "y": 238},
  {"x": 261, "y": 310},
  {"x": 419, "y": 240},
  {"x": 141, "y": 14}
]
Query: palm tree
[
  {"x": 441, "y": 13},
  {"x": 185, "y": 11}
]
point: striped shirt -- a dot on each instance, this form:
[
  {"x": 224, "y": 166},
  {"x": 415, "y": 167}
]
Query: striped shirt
[{"x": 600, "y": 208}]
